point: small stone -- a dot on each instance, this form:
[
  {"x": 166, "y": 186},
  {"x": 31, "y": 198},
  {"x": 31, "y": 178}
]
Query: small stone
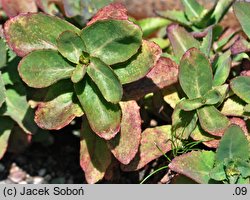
[
  {"x": 38, "y": 180},
  {"x": 2, "y": 168},
  {"x": 16, "y": 174}
]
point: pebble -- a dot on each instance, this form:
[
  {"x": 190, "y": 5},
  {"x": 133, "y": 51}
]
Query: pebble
[
  {"x": 16, "y": 174},
  {"x": 38, "y": 180},
  {"x": 42, "y": 172}
]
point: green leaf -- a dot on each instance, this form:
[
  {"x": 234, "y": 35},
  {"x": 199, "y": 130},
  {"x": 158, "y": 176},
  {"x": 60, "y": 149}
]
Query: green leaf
[
  {"x": 162, "y": 43},
  {"x": 105, "y": 79},
  {"x": 176, "y": 16},
  {"x": 241, "y": 10},
  {"x": 3, "y": 53},
  {"x": 195, "y": 74},
  {"x": 218, "y": 172},
  {"x": 221, "y": 8},
  {"x": 43, "y": 68},
  {"x": 113, "y": 41},
  {"x": 59, "y": 107},
  {"x": 104, "y": 117},
  {"x": 140, "y": 64},
  {"x": 222, "y": 67},
  {"x": 191, "y": 104},
  {"x": 212, "y": 97},
  {"x": 33, "y": 31},
  {"x": 181, "y": 40},
  {"x": 195, "y": 165},
  {"x": 83, "y": 8},
  {"x": 78, "y": 73},
  {"x": 95, "y": 156},
  {"x": 233, "y": 144},
  {"x": 193, "y": 9},
  {"x": 212, "y": 121},
  {"x": 244, "y": 168},
  {"x": 241, "y": 87},
  {"x": 154, "y": 142},
  {"x": 18, "y": 108},
  {"x": 152, "y": 24},
  {"x": 6, "y": 125},
  {"x": 125, "y": 145},
  {"x": 183, "y": 122},
  {"x": 198, "y": 134},
  {"x": 71, "y": 46},
  {"x": 2, "y": 90},
  {"x": 171, "y": 95},
  {"x": 207, "y": 42}
]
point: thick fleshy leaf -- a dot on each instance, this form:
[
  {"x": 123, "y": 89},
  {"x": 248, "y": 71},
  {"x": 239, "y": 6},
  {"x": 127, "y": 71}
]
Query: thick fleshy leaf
[
  {"x": 222, "y": 67},
  {"x": 212, "y": 121},
  {"x": 207, "y": 42},
  {"x": 112, "y": 11},
  {"x": 126, "y": 143},
  {"x": 42, "y": 68},
  {"x": 78, "y": 73},
  {"x": 181, "y": 40},
  {"x": 212, "y": 97},
  {"x": 198, "y": 134},
  {"x": 95, "y": 156},
  {"x": 193, "y": 9},
  {"x": 152, "y": 140},
  {"x": 191, "y": 104},
  {"x": 195, "y": 74},
  {"x": 104, "y": 117},
  {"x": 71, "y": 46},
  {"x": 16, "y": 7},
  {"x": 183, "y": 122},
  {"x": 241, "y": 10},
  {"x": 163, "y": 74},
  {"x": 34, "y": 31},
  {"x": 6, "y": 125},
  {"x": 233, "y": 106},
  {"x": 241, "y": 87},
  {"x": 2, "y": 90},
  {"x": 176, "y": 16},
  {"x": 195, "y": 165},
  {"x": 18, "y": 108},
  {"x": 105, "y": 79},
  {"x": 233, "y": 145},
  {"x": 140, "y": 64},
  {"x": 113, "y": 41},
  {"x": 152, "y": 24},
  {"x": 59, "y": 108}
]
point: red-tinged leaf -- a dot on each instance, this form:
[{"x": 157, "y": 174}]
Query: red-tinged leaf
[
  {"x": 241, "y": 123},
  {"x": 140, "y": 64},
  {"x": 126, "y": 143},
  {"x": 112, "y": 11},
  {"x": 210, "y": 141},
  {"x": 181, "y": 40},
  {"x": 195, "y": 165},
  {"x": 95, "y": 156},
  {"x": 212, "y": 121},
  {"x": 163, "y": 74},
  {"x": 59, "y": 108},
  {"x": 154, "y": 142},
  {"x": 15, "y": 7},
  {"x": 28, "y": 32},
  {"x": 6, "y": 124},
  {"x": 241, "y": 45}
]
